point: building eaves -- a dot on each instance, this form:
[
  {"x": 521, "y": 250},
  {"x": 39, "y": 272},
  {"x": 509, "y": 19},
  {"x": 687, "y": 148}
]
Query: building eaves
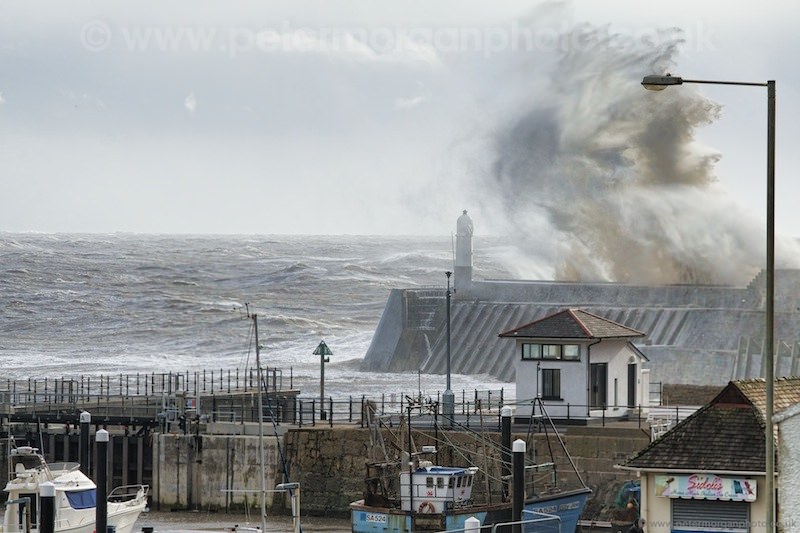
[{"x": 572, "y": 324}]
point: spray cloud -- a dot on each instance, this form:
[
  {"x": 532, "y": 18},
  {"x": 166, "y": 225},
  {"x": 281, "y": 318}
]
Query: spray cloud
[{"x": 604, "y": 181}]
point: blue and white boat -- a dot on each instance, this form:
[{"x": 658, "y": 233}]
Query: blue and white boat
[{"x": 440, "y": 498}]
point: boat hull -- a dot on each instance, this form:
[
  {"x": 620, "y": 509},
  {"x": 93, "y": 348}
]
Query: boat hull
[{"x": 567, "y": 506}]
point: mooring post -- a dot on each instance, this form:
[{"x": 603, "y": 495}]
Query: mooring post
[
  {"x": 47, "y": 509},
  {"x": 505, "y": 448},
  {"x": 518, "y": 498},
  {"x": 101, "y": 510},
  {"x": 472, "y": 525},
  {"x": 86, "y": 420}
]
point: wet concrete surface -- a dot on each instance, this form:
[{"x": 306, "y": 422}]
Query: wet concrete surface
[{"x": 186, "y": 521}]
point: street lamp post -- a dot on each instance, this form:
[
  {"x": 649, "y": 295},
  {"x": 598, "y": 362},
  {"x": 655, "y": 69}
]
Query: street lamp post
[
  {"x": 448, "y": 399},
  {"x": 658, "y": 83}
]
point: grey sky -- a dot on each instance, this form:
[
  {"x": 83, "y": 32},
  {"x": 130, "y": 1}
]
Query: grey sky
[{"x": 332, "y": 117}]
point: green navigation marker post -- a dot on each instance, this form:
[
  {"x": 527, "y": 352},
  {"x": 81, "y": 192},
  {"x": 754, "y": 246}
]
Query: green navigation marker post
[{"x": 323, "y": 352}]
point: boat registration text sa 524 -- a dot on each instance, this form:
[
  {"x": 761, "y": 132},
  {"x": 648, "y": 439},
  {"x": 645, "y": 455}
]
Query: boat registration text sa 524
[{"x": 375, "y": 518}]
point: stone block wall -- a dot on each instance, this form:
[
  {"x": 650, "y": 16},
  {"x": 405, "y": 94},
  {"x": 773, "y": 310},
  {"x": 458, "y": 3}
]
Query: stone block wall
[
  {"x": 676, "y": 394},
  {"x": 330, "y": 464}
]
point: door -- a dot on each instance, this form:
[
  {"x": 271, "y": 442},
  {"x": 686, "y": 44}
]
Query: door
[
  {"x": 599, "y": 385},
  {"x": 632, "y": 379}
]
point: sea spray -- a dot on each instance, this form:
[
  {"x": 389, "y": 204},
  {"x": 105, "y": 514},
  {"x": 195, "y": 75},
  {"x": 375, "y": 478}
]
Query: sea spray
[{"x": 601, "y": 180}]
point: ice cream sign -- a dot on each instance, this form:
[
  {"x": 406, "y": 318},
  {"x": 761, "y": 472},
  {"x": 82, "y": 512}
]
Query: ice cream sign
[{"x": 706, "y": 487}]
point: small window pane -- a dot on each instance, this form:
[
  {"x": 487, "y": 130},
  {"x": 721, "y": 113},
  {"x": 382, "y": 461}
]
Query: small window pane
[
  {"x": 439, "y": 482},
  {"x": 531, "y": 351},
  {"x": 551, "y": 351},
  {"x": 429, "y": 482},
  {"x": 572, "y": 352}
]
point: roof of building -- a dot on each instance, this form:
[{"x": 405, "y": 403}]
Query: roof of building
[
  {"x": 727, "y": 434},
  {"x": 573, "y": 324}
]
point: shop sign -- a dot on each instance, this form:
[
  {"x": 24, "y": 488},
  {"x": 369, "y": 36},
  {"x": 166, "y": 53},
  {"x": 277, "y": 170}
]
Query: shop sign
[{"x": 706, "y": 487}]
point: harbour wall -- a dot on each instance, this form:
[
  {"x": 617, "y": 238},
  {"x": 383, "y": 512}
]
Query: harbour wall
[
  {"x": 330, "y": 466},
  {"x": 218, "y": 469}
]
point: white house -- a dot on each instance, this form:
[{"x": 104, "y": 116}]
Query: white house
[{"x": 580, "y": 365}]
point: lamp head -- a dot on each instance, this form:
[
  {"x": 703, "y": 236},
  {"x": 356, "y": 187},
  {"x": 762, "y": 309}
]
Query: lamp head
[{"x": 659, "y": 83}]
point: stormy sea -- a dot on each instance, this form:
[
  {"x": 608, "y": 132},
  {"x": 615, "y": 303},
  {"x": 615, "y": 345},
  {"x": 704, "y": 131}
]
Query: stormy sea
[{"x": 77, "y": 305}]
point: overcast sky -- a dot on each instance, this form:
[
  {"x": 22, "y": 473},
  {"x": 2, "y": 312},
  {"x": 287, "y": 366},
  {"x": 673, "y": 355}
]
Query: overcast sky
[{"x": 329, "y": 117}]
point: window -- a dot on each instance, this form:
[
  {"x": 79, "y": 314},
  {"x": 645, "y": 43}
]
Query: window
[
  {"x": 82, "y": 499},
  {"x": 571, "y": 352},
  {"x": 429, "y": 482},
  {"x": 551, "y": 383},
  {"x": 531, "y": 351},
  {"x": 566, "y": 352},
  {"x": 551, "y": 351},
  {"x": 439, "y": 483}
]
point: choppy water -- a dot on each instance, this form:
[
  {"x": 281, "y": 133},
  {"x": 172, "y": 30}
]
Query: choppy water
[{"x": 108, "y": 304}]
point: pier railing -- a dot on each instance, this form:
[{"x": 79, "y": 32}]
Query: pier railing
[
  {"x": 176, "y": 401},
  {"x": 70, "y": 389}
]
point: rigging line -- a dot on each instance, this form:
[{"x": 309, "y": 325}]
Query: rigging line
[
  {"x": 278, "y": 442},
  {"x": 478, "y": 439},
  {"x": 563, "y": 446},
  {"x": 458, "y": 451},
  {"x": 245, "y": 361}
]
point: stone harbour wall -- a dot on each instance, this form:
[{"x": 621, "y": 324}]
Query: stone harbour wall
[{"x": 330, "y": 463}]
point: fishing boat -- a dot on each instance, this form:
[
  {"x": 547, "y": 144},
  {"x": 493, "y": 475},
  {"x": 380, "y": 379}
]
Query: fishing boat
[
  {"x": 75, "y": 496},
  {"x": 440, "y": 498}
]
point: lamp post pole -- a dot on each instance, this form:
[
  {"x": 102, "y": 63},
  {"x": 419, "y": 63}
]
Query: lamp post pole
[
  {"x": 448, "y": 399},
  {"x": 658, "y": 83},
  {"x": 323, "y": 352}
]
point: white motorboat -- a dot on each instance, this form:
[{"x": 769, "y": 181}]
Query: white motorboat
[{"x": 75, "y": 497}]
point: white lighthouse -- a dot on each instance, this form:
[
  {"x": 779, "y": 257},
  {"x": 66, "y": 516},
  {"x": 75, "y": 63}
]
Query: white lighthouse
[{"x": 463, "y": 264}]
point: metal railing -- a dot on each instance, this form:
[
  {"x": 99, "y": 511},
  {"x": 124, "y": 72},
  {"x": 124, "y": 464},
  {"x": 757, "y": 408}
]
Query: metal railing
[
  {"x": 88, "y": 388},
  {"x": 230, "y": 395}
]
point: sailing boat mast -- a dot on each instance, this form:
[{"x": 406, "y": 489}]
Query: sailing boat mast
[{"x": 260, "y": 429}]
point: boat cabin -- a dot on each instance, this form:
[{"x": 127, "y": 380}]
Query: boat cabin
[{"x": 435, "y": 489}]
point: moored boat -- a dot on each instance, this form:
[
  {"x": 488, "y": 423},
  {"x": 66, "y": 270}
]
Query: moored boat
[
  {"x": 75, "y": 497},
  {"x": 439, "y": 498}
]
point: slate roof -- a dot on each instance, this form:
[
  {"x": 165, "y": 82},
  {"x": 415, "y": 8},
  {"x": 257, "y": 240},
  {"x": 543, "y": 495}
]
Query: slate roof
[
  {"x": 727, "y": 434},
  {"x": 573, "y": 324}
]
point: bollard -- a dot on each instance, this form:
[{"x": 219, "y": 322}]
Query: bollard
[
  {"x": 86, "y": 420},
  {"x": 518, "y": 497},
  {"x": 505, "y": 448},
  {"x": 101, "y": 511},
  {"x": 472, "y": 525},
  {"x": 47, "y": 507}
]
